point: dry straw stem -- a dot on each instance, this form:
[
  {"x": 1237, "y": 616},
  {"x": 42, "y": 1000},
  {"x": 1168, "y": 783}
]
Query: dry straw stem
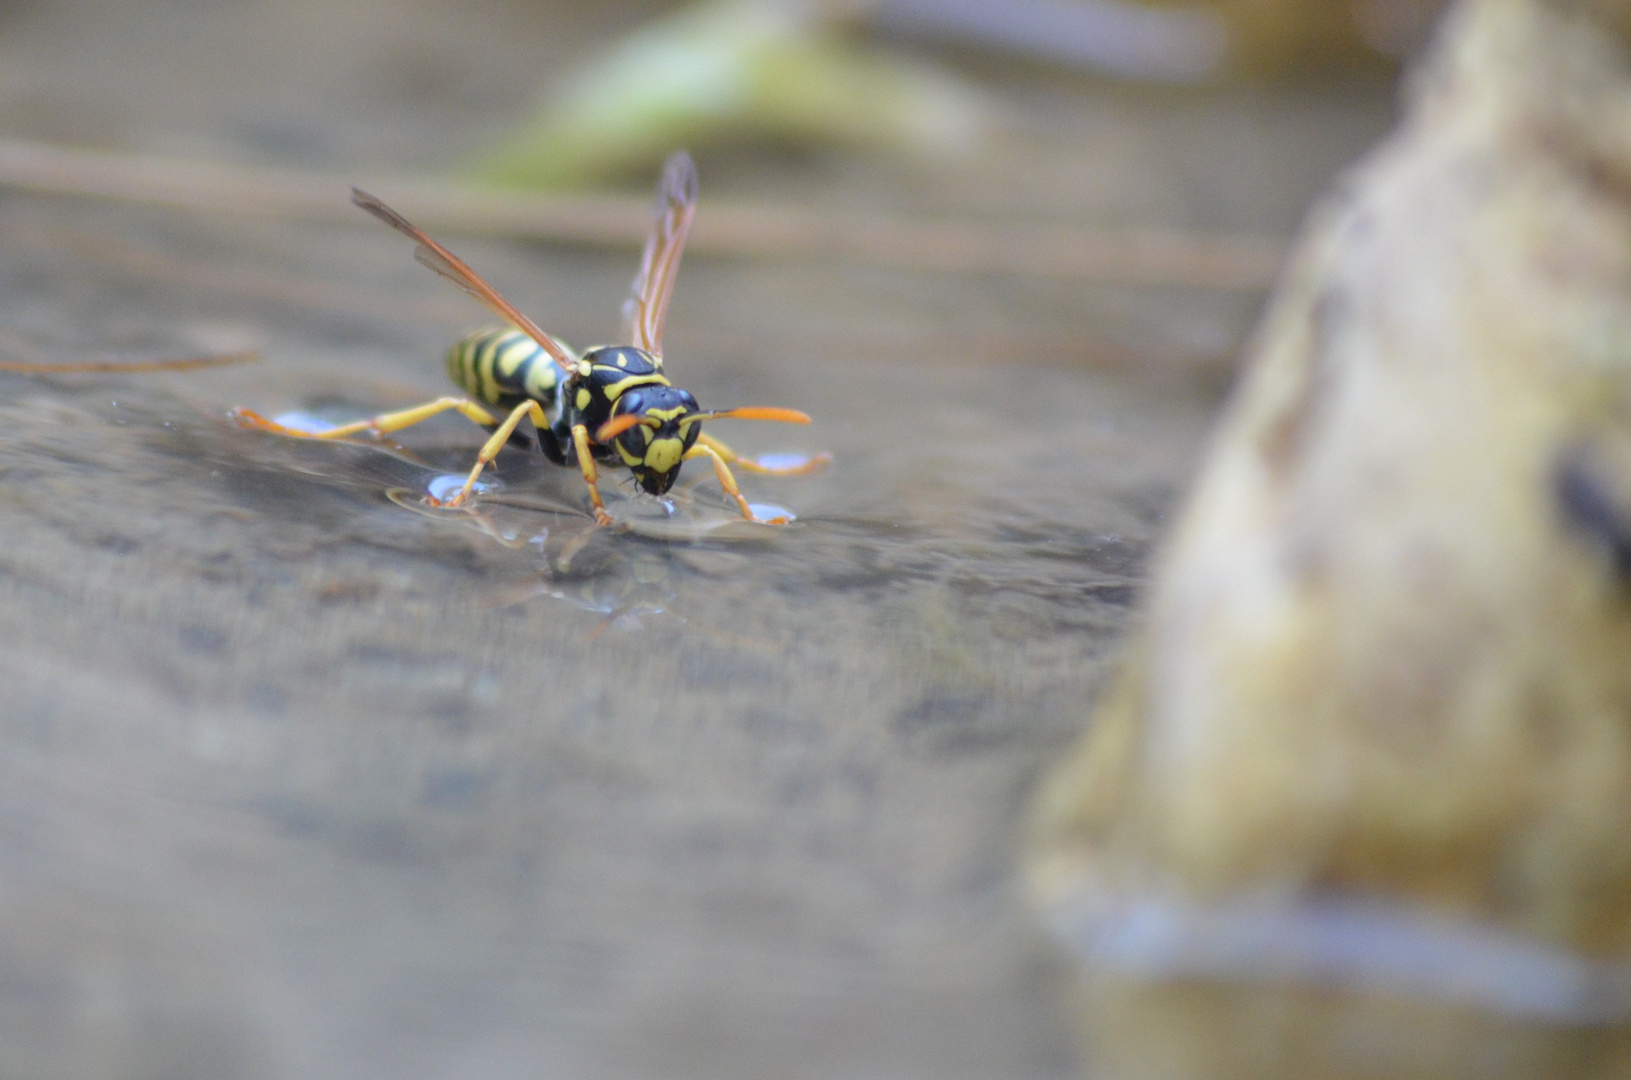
[
  {"x": 83, "y": 367},
  {"x": 1133, "y": 256}
]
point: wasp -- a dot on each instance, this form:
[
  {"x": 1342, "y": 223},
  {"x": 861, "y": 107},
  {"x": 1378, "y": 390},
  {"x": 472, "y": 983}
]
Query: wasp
[{"x": 610, "y": 405}]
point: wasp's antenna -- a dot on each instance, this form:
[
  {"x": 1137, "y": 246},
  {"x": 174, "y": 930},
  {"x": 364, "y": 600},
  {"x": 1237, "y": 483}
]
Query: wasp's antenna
[
  {"x": 617, "y": 425},
  {"x": 752, "y": 412}
]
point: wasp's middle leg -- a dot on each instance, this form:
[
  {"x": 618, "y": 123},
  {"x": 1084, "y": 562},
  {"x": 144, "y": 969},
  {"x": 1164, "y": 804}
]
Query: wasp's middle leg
[{"x": 490, "y": 449}]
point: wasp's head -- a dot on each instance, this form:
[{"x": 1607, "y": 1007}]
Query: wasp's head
[{"x": 665, "y": 427}]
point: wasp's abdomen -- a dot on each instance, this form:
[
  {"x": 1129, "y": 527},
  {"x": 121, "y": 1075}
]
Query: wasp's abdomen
[{"x": 501, "y": 366}]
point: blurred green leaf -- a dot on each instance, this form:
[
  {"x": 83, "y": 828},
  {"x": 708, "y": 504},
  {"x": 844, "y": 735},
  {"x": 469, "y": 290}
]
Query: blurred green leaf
[{"x": 728, "y": 71}]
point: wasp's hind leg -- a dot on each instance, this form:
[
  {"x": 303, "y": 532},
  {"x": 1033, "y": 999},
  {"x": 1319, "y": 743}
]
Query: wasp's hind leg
[
  {"x": 731, "y": 457},
  {"x": 385, "y": 423},
  {"x": 376, "y": 425}
]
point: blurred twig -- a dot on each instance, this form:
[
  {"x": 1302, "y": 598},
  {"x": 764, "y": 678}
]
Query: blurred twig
[
  {"x": 836, "y": 344},
  {"x": 234, "y": 278},
  {"x": 1158, "y": 42},
  {"x": 1131, "y": 256},
  {"x": 81, "y": 367}
]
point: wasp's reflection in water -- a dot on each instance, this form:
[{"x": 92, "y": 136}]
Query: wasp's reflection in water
[{"x": 628, "y": 575}]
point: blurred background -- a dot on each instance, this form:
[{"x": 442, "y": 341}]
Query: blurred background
[{"x": 295, "y": 781}]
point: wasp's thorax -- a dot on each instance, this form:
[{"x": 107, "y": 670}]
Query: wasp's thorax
[
  {"x": 654, "y": 448},
  {"x": 607, "y": 372}
]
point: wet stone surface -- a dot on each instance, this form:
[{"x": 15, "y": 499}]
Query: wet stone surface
[
  {"x": 301, "y": 779},
  {"x": 341, "y": 785}
]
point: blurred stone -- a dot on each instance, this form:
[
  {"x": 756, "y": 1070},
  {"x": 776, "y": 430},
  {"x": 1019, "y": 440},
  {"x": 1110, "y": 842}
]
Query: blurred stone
[
  {"x": 1168, "y": 40},
  {"x": 1359, "y": 804},
  {"x": 1280, "y": 35}
]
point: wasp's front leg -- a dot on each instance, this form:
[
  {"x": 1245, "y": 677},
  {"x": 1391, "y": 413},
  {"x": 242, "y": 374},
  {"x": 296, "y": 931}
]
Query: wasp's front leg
[
  {"x": 731, "y": 457},
  {"x": 728, "y": 482},
  {"x": 591, "y": 475}
]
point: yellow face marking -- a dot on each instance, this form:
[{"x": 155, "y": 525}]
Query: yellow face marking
[
  {"x": 622, "y": 361},
  {"x": 583, "y": 397},
  {"x": 665, "y": 414},
  {"x": 663, "y": 454},
  {"x": 628, "y": 458}
]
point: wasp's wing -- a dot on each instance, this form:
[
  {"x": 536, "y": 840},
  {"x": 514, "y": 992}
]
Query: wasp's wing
[
  {"x": 450, "y": 266},
  {"x": 645, "y": 311}
]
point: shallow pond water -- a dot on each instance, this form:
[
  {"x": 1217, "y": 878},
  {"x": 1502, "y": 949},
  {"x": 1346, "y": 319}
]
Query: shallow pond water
[{"x": 299, "y": 778}]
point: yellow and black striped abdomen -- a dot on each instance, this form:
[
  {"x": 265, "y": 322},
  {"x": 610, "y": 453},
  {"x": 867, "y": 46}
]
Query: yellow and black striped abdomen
[{"x": 502, "y": 365}]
